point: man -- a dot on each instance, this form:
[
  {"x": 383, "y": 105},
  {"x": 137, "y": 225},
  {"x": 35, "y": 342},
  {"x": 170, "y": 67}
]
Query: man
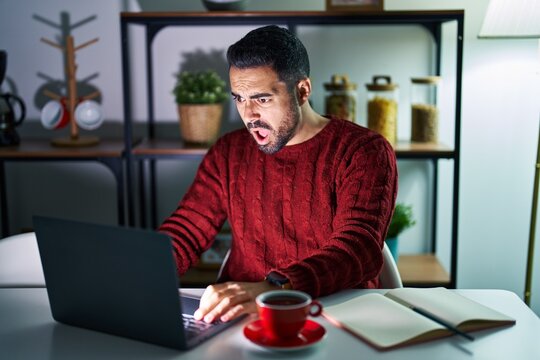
[{"x": 309, "y": 198}]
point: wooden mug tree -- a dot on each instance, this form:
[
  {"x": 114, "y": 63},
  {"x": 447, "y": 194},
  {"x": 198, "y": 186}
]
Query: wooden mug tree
[{"x": 74, "y": 140}]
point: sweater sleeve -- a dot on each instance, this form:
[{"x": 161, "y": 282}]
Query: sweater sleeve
[
  {"x": 199, "y": 215},
  {"x": 366, "y": 190}
]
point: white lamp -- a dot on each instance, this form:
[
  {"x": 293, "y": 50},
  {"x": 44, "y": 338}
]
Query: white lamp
[
  {"x": 518, "y": 19},
  {"x": 511, "y": 19}
]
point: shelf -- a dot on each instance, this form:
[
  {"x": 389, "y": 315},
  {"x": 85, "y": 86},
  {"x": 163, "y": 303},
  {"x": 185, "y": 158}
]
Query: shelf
[
  {"x": 419, "y": 270},
  {"x": 160, "y": 148},
  {"x": 42, "y": 149},
  {"x": 177, "y": 148},
  {"x": 279, "y": 17},
  {"x": 422, "y": 271},
  {"x": 412, "y": 150}
]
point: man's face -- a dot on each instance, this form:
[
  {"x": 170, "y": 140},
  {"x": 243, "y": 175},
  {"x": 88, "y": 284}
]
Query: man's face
[{"x": 267, "y": 109}]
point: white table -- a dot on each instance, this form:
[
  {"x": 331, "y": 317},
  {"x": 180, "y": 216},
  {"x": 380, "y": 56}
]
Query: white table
[{"x": 27, "y": 331}]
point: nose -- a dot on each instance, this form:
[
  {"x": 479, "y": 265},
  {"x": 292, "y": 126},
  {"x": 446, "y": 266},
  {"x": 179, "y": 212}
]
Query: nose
[{"x": 250, "y": 111}]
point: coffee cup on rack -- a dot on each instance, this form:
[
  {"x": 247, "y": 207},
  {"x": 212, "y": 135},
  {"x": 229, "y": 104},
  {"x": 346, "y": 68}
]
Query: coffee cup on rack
[
  {"x": 54, "y": 115},
  {"x": 283, "y": 313},
  {"x": 88, "y": 114}
]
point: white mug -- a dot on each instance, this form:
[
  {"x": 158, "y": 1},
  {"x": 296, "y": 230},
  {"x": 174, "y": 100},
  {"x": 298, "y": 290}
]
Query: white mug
[{"x": 88, "y": 115}]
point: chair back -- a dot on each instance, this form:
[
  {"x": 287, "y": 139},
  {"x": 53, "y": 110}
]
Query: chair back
[
  {"x": 20, "y": 263},
  {"x": 389, "y": 277},
  {"x": 223, "y": 263}
]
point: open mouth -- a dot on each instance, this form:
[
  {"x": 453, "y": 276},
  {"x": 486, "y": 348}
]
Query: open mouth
[{"x": 262, "y": 136}]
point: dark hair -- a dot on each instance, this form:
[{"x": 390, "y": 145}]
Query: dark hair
[{"x": 271, "y": 46}]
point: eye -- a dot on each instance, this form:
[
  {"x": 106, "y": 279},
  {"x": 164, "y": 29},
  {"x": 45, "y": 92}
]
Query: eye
[
  {"x": 263, "y": 100},
  {"x": 238, "y": 98}
]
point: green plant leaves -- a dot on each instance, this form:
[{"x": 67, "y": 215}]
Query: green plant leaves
[
  {"x": 203, "y": 87},
  {"x": 401, "y": 220}
]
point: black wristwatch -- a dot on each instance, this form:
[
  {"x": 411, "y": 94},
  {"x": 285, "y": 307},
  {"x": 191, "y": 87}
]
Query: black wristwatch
[{"x": 277, "y": 279}]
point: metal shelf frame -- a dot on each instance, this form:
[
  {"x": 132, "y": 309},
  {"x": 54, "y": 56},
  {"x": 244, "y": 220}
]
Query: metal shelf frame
[{"x": 154, "y": 22}]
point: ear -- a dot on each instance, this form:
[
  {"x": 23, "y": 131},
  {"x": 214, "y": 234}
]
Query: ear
[{"x": 303, "y": 91}]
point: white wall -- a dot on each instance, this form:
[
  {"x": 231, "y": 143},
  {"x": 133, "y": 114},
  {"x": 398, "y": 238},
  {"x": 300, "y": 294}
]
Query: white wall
[
  {"x": 500, "y": 122},
  {"x": 500, "y": 118}
]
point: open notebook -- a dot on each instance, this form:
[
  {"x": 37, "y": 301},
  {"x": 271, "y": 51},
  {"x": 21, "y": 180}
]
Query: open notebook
[{"x": 387, "y": 321}]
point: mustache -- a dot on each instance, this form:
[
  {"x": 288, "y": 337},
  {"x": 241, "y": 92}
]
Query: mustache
[{"x": 258, "y": 124}]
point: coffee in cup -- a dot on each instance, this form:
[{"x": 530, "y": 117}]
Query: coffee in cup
[{"x": 283, "y": 313}]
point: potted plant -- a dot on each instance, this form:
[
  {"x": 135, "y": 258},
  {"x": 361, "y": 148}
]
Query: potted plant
[
  {"x": 200, "y": 96},
  {"x": 402, "y": 219}
]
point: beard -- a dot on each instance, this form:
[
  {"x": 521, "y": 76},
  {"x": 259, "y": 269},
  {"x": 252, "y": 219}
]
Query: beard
[{"x": 284, "y": 133}]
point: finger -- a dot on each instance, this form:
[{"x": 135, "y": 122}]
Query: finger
[
  {"x": 212, "y": 296},
  {"x": 225, "y": 305},
  {"x": 244, "y": 308},
  {"x": 205, "y": 303}
]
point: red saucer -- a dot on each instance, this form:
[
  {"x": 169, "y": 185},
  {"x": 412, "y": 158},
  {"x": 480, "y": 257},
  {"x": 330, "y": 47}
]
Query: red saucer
[{"x": 310, "y": 335}]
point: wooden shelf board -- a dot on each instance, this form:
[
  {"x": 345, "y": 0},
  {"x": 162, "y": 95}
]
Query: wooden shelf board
[
  {"x": 405, "y": 148},
  {"x": 422, "y": 270},
  {"x": 202, "y": 16},
  {"x": 416, "y": 270},
  {"x": 42, "y": 148},
  {"x": 167, "y": 147},
  {"x": 171, "y": 147}
]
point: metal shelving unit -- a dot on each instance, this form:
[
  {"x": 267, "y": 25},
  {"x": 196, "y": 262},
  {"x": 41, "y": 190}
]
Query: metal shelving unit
[{"x": 152, "y": 149}]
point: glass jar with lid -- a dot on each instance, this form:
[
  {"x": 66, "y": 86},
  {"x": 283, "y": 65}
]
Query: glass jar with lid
[
  {"x": 424, "y": 109},
  {"x": 340, "y": 100},
  {"x": 382, "y": 107}
]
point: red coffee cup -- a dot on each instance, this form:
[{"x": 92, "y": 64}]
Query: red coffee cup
[
  {"x": 54, "y": 114},
  {"x": 283, "y": 313}
]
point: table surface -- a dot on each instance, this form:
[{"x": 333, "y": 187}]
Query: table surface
[{"x": 27, "y": 331}]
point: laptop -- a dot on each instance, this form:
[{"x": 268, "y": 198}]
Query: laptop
[{"x": 120, "y": 281}]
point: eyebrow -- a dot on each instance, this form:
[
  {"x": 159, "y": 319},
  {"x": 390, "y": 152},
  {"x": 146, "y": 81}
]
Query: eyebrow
[{"x": 256, "y": 96}]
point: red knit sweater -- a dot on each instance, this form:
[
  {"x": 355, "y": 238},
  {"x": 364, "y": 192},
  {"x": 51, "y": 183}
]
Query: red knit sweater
[{"x": 316, "y": 212}]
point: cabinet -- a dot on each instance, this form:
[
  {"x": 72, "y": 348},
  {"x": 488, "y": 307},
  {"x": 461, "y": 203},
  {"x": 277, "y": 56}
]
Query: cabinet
[{"x": 417, "y": 270}]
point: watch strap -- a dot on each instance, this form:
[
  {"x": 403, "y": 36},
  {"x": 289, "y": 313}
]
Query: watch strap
[{"x": 279, "y": 280}]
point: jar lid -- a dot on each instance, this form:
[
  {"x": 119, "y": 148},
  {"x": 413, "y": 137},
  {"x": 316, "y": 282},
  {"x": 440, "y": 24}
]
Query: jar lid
[
  {"x": 426, "y": 80},
  {"x": 340, "y": 82},
  {"x": 377, "y": 86}
]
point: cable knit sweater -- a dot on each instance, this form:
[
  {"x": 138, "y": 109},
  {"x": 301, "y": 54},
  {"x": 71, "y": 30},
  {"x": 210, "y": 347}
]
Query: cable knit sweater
[{"x": 316, "y": 212}]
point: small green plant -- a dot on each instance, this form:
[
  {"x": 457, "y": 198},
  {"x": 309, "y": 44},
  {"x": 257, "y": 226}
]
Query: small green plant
[
  {"x": 203, "y": 87},
  {"x": 401, "y": 220}
]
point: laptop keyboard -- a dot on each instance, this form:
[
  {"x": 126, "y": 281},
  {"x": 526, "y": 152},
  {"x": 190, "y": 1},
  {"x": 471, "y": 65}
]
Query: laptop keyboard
[{"x": 194, "y": 327}]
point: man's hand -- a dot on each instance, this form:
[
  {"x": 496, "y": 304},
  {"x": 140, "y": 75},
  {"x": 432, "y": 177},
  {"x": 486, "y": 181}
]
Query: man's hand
[{"x": 231, "y": 299}]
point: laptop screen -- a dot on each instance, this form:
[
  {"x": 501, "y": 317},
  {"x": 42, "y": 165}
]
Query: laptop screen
[{"x": 113, "y": 279}]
